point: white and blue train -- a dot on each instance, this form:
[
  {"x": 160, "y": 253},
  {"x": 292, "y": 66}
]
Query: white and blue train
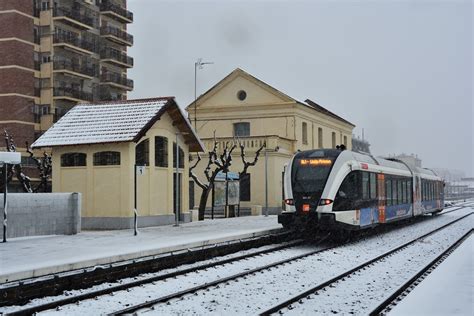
[{"x": 343, "y": 190}]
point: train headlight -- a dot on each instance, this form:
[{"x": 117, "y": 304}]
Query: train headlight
[
  {"x": 289, "y": 202},
  {"x": 325, "y": 202}
]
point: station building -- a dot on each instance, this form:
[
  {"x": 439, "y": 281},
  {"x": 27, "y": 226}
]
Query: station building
[
  {"x": 243, "y": 107},
  {"x": 95, "y": 148}
]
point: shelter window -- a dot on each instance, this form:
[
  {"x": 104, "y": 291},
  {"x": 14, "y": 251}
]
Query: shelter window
[
  {"x": 107, "y": 158},
  {"x": 242, "y": 129},
  {"x": 181, "y": 156},
  {"x": 333, "y": 140},
  {"x": 142, "y": 151},
  {"x": 161, "y": 151},
  {"x": 305, "y": 133},
  {"x": 73, "y": 160},
  {"x": 320, "y": 137},
  {"x": 245, "y": 187}
]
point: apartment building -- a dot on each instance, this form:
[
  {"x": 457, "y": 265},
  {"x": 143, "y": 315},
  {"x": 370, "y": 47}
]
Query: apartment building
[{"x": 57, "y": 53}]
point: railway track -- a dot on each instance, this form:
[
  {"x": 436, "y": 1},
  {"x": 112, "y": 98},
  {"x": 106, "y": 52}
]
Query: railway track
[
  {"x": 129, "y": 285},
  {"x": 288, "y": 304},
  {"x": 391, "y": 301}
]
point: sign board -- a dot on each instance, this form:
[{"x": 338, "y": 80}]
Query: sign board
[
  {"x": 12, "y": 158},
  {"x": 141, "y": 170},
  {"x": 220, "y": 196}
]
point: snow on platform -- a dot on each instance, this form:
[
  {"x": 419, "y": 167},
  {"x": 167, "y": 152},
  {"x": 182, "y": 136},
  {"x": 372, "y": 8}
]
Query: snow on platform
[
  {"x": 448, "y": 290},
  {"x": 22, "y": 258}
]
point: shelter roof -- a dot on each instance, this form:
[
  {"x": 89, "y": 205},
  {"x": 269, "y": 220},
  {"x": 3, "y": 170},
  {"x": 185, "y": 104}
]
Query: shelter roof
[{"x": 116, "y": 121}]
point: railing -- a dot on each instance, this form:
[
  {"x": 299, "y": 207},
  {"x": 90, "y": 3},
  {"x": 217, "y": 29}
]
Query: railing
[
  {"x": 73, "y": 93},
  {"x": 75, "y": 67},
  {"x": 109, "y": 6},
  {"x": 252, "y": 143},
  {"x": 75, "y": 41},
  {"x": 116, "y": 78},
  {"x": 115, "y": 31},
  {"x": 75, "y": 15},
  {"x": 114, "y": 54}
]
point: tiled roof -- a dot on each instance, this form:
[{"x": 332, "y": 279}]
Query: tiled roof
[{"x": 107, "y": 122}]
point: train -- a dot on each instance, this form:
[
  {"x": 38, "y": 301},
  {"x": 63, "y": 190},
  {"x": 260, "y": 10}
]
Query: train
[{"x": 338, "y": 189}]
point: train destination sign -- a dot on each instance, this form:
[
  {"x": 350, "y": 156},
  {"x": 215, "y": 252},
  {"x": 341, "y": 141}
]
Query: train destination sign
[{"x": 315, "y": 162}]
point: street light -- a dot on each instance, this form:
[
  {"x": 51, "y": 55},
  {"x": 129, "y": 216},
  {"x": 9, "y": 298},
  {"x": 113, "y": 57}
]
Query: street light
[{"x": 199, "y": 63}]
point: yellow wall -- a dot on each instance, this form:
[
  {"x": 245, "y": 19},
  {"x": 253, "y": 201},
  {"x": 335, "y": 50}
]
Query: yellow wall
[{"x": 108, "y": 191}]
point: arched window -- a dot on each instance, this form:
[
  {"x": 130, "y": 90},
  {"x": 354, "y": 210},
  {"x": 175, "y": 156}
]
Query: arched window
[
  {"x": 181, "y": 156},
  {"x": 161, "y": 151},
  {"x": 142, "y": 153},
  {"x": 107, "y": 158},
  {"x": 73, "y": 160},
  {"x": 305, "y": 133}
]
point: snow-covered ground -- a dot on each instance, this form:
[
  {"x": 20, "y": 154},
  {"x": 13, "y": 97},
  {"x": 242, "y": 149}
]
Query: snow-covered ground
[
  {"x": 259, "y": 292},
  {"x": 22, "y": 258},
  {"x": 448, "y": 290}
]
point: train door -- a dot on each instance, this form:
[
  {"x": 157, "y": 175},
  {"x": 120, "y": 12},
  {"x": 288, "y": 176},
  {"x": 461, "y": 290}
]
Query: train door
[
  {"x": 381, "y": 197},
  {"x": 417, "y": 210}
]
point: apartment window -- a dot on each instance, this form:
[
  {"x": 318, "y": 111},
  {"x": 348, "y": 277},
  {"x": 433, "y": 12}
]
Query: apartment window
[
  {"x": 305, "y": 133},
  {"x": 142, "y": 153},
  {"x": 333, "y": 140},
  {"x": 245, "y": 187},
  {"x": 320, "y": 137},
  {"x": 107, "y": 158},
  {"x": 181, "y": 156},
  {"x": 73, "y": 160},
  {"x": 242, "y": 129},
  {"x": 161, "y": 151}
]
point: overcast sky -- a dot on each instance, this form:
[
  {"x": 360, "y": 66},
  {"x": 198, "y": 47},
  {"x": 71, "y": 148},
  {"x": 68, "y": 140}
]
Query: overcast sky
[{"x": 401, "y": 70}]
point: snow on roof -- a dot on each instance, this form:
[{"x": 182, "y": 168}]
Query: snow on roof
[{"x": 106, "y": 122}]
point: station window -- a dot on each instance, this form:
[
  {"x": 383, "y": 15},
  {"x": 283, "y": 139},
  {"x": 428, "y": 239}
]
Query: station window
[
  {"x": 333, "y": 140},
  {"x": 181, "y": 156},
  {"x": 242, "y": 129},
  {"x": 320, "y": 137},
  {"x": 161, "y": 151},
  {"x": 305, "y": 133},
  {"x": 142, "y": 151},
  {"x": 107, "y": 158},
  {"x": 73, "y": 160},
  {"x": 345, "y": 141}
]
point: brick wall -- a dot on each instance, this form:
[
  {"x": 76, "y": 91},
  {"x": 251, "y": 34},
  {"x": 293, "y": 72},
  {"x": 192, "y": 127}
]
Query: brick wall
[
  {"x": 25, "y": 6},
  {"x": 16, "y": 25},
  {"x": 16, "y": 53},
  {"x": 17, "y": 81},
  {"x": 20, "y": 133},
  {"x": 16, "y": 108},
  {"x": 34, "y": 214}
]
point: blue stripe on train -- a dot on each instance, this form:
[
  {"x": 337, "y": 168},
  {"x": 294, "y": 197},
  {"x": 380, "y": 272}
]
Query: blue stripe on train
[{"x": 396, "y": 211}]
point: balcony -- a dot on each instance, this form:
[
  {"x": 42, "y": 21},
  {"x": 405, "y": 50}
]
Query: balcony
[
  {"x": 117, "y": 35},
  {"x": 116, "y": 57},
  {"x": 74, "y": 68},
  {"x": 115, "y": 79},
  {"x": 72, "y": 94},
  {"x": 75, "y": 18},
  {"x": 116, "y": 12},
  {"x": 253, "y": 143},
  {"x": 74, "y": 43}
]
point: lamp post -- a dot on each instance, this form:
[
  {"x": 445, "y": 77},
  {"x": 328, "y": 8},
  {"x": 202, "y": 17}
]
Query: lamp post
[
  {"x": 198, "y": 64},
  {"x": 176, "y": 183}
]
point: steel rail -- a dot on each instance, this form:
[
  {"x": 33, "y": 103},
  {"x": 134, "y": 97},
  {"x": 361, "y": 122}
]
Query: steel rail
[
  {"x": 406, "y": 288},
  {"x": 304, "y": 294},
  {"x": 166, "y": 298},
  {"x": 128, "y": 285}
]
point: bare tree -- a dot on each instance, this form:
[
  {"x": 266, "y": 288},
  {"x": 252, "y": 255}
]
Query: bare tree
[
  {"x": 246, "y": 163},
  {"x": 216, "y": 163},
  {"x": 43, "y": 165}
]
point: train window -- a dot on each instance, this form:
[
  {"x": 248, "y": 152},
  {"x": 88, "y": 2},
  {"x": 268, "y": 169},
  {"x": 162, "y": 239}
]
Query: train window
[
  {"x": 373, "y": 186},
  {"x": 365, "y": 186},
  {"x": 400, "y": 192},
  {"x": 409, "y": 191},
  {"x": 394, "y": 192},
  {"x": 405, "y": 193},
  {"x": 388, "y": 190}
]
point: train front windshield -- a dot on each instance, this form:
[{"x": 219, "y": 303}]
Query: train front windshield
[{"x": 310, "y": 171}]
